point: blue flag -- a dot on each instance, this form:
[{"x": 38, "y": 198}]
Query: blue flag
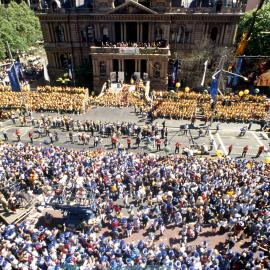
[
  {"x": 175, "y": 70},
  {"x": 18, "y": 68},
  {"x": 237, "y": 71},
  {"x": 13, "y": 78},
  {"x": 214, "y": 87}
]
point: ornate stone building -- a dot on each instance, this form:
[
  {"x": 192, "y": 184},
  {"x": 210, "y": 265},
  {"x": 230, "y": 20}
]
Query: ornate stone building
[{"x": 77, "y": 33}]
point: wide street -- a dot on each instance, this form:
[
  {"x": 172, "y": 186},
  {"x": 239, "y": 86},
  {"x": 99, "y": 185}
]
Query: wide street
[{"x": 227, "y": 135}]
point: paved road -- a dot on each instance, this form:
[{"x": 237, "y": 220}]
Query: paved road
[{"x": 228, "y": 133}]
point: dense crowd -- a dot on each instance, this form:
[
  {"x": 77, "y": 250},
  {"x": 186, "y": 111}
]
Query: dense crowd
[
  {"x": 61, "y": 89},
  {"x": 46, "y": 98},
  {"x": 122, "y": 99},
  {"x": 137, "y": 193},
  {"x": 182, "y": 105},
  {"x": 160, "y": 44}
]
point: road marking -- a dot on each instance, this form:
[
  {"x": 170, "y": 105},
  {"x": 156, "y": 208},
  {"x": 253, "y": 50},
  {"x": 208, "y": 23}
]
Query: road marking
[
  {"x": 212, "y": 138},
  {"x": 264, "y": 135},
  {"x": 257, "y": 138},
  {"x": 222, "y": 144},
  {"x": 5, "y": 128}
]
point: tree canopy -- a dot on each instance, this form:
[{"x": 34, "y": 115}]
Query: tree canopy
[
  {"x": 259, "y": 43},
  {"x": 19, "y": 27}
]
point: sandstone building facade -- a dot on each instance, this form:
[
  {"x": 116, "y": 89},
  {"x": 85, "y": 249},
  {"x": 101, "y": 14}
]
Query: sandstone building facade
[{"x": 97, "y": 32}]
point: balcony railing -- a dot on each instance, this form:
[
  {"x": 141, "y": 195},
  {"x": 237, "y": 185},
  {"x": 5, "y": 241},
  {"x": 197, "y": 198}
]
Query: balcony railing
[
  {"x": 228, "y": 9},
  {"x": 131, "y": 50}
]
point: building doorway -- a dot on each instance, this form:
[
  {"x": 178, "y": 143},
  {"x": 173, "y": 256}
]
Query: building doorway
[
  {"x": 143, "y": 67},
  {"x": 116, "y": 67},
  {"x": 131, "y": 31},
  {"x": 129, "y": 69}
]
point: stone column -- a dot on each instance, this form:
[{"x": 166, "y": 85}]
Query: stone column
[
  {"x": 125, "y": 32},
  {"x": 150, "y": 69},
  {"x": 139, "y": 65},
  {"x": 223, "y": 31},
  {"x": 206, "y": 32},
  {"x": 51, "y": 28},
  {"x": 121, "y": 68},
  {"x": 94, "y": 63},
  {"x": 138, "y": 32},
  {"x": 141, "y": 32},
  {"x": 122, "y": 30},
  {"x": 108, "y": 68},
  {"x": 150, "y": 33},
  {"x": 113, "y": 32}
]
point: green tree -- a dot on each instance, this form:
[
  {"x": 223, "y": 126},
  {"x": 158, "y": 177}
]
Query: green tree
[
  {"x": 259, "y": 43},
  {"x": 19, "y": 27}
]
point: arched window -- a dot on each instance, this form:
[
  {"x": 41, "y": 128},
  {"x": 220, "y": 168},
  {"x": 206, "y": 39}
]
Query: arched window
[
  {"x": 102, "y": 68},
  {"x": 156, "y": 70},
  {"x": 90, "y": 33},
  {"x": 59, "y": 31},
  {"x": 218, "y": 6},
  {"x": 56, "y": 4},
  {"x": 213, "y": 34},
  {"x": 118, "y": 2}
]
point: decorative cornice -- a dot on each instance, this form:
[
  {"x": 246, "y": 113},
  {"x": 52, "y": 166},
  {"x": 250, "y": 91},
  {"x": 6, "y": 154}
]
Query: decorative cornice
[{"x": 166, "y": 18}]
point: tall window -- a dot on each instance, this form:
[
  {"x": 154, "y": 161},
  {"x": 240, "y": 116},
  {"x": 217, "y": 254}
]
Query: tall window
[
  {"x": 183, "y": 35},
  {"x": 213, "y": 34},
  {"x": 102, "y": 68},
  {"x": 90, "y": 33},
  {"x": 59, "y": 31}
]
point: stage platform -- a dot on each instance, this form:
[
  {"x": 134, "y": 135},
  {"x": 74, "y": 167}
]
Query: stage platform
[{"x": 19, "y": 216}]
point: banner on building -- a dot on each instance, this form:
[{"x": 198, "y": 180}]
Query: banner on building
[
  {"x": 121, "y": 76},
  {"x": 113, "y": 76}
]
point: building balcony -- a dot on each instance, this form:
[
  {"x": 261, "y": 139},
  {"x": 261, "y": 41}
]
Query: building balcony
[
  {"x": 172, "y": 10},
  {"x": 131, "y": 50}
]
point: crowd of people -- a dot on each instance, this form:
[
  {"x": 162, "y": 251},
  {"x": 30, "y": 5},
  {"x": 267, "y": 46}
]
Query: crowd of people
[
  {"x": 237, "y": 109},
  {"x": 121, "y": 99},
  {"x": 137, "y": 193},
  {"x": 61, "y": 89},
  {"x": 160, "y": 44},
  {"x": 186, "y": 105},
  {"x": 56, "y": 99}
]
